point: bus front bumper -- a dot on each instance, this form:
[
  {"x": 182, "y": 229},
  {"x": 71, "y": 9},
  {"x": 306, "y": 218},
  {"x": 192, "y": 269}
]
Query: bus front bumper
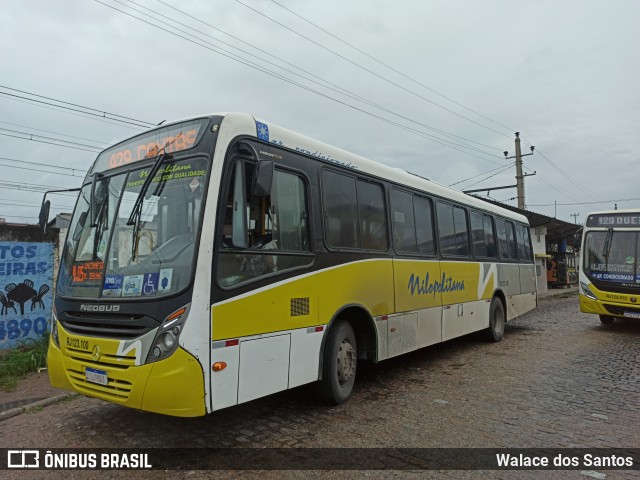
[
  {"x": 613, "y": 309},
  {"x": 174, "y": 386}
]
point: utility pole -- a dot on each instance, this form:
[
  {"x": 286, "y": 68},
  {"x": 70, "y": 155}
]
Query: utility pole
[
  {"x": 575, "y": 217},
  {"x": 519, "y": 176}
]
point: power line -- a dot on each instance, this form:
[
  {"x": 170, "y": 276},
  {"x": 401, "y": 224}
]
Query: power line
[
  {"x": 368, "y": 70},
  {"x": 72, "y": 109},
  {"x": 343, "y": 90},
  {"x": 304, "y": 87},
  {"x": 104, "y": 113},
  {"x": 100, "y": 119},
  {"x": 567, "y": 176},
  {"x": 73, "y": 170},
  {"x": 388, "y": 66},
  {"x": 587, "y": 203},
  {"x": 6, "y": 165},
  {"x": 55, "y": 133},
  {"x": 490, "y": 176},
  {"x": 50, "y": 140},
  {"x": 478, "y": 175}
]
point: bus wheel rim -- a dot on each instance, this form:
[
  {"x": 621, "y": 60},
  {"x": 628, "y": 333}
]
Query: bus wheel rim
[{"x": 346, "y": 362}]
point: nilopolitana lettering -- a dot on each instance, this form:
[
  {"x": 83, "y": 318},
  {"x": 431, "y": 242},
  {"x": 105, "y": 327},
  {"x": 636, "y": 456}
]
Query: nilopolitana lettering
[{"x": 424, "y": 286}]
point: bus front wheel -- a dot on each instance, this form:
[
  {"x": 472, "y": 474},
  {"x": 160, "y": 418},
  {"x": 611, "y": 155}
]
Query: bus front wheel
[
  {"x": 607, "y": 319},
  {"x": 495, "y": 332},
  {"x": 339, "y": 364}
]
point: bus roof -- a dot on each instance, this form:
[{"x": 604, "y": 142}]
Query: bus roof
[
  {"x": 244, "y": 124},
  {"x": 284, "y": 137}
]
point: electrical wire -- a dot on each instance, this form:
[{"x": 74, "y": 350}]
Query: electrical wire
[
  {"x": 369, "y": 70},
  {"x": 55, "y": 133},
  {"x": 304, "y": 87},
  {"x": 343, "y": 90},
  {"x": 104, "y": 113},
  {"x": 388, "y": 66}
]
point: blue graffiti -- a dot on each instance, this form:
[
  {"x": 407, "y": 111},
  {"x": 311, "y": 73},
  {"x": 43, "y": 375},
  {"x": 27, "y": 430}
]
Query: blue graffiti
[{"x": 418, "y": 286}]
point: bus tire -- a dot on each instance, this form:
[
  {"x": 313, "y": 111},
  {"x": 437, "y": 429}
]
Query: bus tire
[
  {"x": 495, "y": 332},
  {"x": 339, "y": 364},
  {"x": 607, "y": 319}
]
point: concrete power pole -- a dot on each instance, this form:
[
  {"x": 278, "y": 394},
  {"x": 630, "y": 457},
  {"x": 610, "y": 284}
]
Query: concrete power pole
[{"x": 519, "y": 176}]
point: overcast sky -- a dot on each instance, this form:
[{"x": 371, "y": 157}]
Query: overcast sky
[{"x": 565, "y": 74}]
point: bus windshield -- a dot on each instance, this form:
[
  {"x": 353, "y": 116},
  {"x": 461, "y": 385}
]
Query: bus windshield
[
  {"x": 612, "y": 256},
  {"x": 152, "y": 256}
]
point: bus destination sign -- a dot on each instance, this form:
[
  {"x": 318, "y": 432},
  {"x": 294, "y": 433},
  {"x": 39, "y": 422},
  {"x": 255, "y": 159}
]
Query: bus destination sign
[
  {"x": 616, "y": 220},
  {"x": 173, "y": 138}
]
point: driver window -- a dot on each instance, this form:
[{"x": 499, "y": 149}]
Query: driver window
[{"x": 276, "y": 226}]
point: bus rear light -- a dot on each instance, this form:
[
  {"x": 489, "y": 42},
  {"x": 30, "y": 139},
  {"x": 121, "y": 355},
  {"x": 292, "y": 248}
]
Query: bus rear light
[
  {"x": 319, "y": 329},
  {"x": 219, "y": 366},
  {"x": 231, "y": 343}
]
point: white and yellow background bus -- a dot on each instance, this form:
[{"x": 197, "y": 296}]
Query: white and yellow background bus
[
  {"x": 220, "y": 259},
  {"x": 610, "y": 271}
]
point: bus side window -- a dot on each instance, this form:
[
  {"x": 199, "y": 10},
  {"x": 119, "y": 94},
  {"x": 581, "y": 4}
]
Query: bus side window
[
  {"x": 403, "y": 220},
  {"x": 340, "y": 210},
  {"x": 371, "y": 212},
  {"x": 502, "y": 239}
]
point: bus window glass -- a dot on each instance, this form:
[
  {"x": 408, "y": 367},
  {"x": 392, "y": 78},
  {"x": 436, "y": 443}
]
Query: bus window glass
[
  {"x": 277, "y": 229},
  {"x": 289, "y": 213},
  {"x": 477, "y": 235},
  {"x": 489, "y": 236},
  {"x": 424, "y": 224},
  {"x": 462, "y": 232},
  {"x": 446, "y": 230},
  {"x": 511, "y": 240},
  {"x": 340, "y": 209},
  {"x": 521, "y": 246},
  {"x": 373, "y": 224},
  {"x": 613, "y": 261},
  {"x": 502, "y": 239},
  {"x": 404, "y": 229}
]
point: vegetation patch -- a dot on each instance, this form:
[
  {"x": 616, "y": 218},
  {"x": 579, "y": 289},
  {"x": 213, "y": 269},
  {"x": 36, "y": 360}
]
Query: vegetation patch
[{"x": 29, "y": 356}]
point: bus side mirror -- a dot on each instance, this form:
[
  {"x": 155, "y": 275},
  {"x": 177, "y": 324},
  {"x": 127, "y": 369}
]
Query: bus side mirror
[
  {"x": 577, "y": 241},
  {"x": 262, "y": 179},
  {"x": 43, "y": 217}
]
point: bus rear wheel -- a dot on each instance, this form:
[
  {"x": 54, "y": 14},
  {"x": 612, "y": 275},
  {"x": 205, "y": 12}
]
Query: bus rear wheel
[
  {"x": 607, "y": 319},
  {"x": 495, "y": 332},
  {"x": 340, "y": 363}
]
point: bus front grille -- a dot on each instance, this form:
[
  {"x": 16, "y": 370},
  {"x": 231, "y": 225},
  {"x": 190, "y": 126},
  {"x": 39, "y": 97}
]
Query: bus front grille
[{"x": 116, "y": 389}]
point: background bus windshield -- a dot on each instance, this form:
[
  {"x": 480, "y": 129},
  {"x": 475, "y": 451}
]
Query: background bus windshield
[
  {"x": 152, "y": 257},
  {"x": 612, "y": 256}
]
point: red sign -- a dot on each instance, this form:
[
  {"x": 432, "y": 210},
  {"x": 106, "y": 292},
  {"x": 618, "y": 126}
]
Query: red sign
[{"x": 87, "y": 272}]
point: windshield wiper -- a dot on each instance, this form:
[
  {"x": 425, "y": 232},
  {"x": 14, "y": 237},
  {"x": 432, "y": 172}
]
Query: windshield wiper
[{"x": 606, "y": 250}]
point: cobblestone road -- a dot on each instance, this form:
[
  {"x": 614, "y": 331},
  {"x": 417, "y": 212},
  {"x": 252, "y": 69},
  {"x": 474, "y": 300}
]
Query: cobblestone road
[{"x": 558, "y": 379}]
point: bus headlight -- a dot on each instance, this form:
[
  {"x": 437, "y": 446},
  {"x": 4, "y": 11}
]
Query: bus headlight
[
  {"x": 166, "y": 341},
  {"x": 587, "y": 291},
  {"x": 54, "y": 328}
]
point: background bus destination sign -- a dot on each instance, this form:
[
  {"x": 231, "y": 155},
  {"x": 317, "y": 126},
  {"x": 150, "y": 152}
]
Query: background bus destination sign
[
  {"x": 614, "y": 220},
  {"x": 174, "y": 138}
]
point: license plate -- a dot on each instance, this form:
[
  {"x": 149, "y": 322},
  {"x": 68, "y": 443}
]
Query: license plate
[
  {"x": 96, "y": 376},
  {"x": 632, "y": 314}
]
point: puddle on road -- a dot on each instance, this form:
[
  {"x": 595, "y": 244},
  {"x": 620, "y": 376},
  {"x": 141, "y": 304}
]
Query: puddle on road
[{"x": 4, "y": 407}]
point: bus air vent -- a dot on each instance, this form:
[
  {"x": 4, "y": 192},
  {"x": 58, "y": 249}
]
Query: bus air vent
[{"x": 299, "y": 306}]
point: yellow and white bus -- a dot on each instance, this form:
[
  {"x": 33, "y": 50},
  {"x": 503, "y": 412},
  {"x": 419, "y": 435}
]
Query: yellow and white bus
[
  {"x": 610, "y": 270},
  {"x": 221, "y": 259}
]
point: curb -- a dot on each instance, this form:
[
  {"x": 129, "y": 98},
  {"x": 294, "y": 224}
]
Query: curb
[{"x": 42, "y": 403}]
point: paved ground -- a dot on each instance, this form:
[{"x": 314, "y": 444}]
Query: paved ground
[{"x": 559, "y": 379}]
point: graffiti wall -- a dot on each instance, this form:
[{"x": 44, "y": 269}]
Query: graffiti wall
[{"x": 26, "y": 282}]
